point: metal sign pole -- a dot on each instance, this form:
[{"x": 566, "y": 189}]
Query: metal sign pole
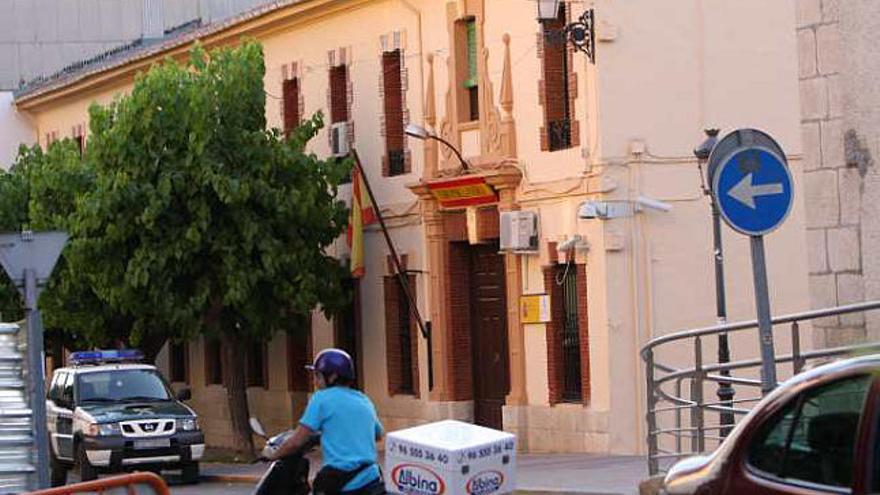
[
  {"x": 28, "y": 258},
  {"x": 754, "y": 192},
  {"x": 762, "y": 304},
  {"x": 36, "y": 376}
]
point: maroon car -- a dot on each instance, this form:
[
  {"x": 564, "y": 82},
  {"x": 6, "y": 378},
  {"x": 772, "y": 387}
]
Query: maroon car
[{"x": 817, "y": 433}]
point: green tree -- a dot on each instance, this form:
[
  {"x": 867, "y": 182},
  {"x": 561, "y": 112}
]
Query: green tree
[
  {"x": 39, "y": 192},
  {"x": 200, "y": 221}
]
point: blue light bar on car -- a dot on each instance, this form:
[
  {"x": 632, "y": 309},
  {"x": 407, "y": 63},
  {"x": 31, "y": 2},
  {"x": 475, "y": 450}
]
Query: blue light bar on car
[{"x": 120, "y": 355}]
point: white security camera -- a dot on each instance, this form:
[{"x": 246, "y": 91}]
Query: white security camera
[
  {"x": 592, "y": 209},
  {"x": 570, "y": 244},
  {"x": 653, "y": 204}
]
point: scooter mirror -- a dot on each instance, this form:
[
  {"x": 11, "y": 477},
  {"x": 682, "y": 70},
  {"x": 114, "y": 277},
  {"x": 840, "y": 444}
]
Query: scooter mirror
[{"x": 257, "y": 427}]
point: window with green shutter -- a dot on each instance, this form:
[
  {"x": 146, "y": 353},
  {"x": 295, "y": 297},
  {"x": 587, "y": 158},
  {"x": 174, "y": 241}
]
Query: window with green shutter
[
  {"x": 471, "y": 29},
  {"x": 467, "y": 73}
]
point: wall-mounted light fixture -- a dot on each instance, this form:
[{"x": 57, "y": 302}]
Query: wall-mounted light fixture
[
  {"x": 581, "y": 33},
  {"x": 419, "y": 132}
]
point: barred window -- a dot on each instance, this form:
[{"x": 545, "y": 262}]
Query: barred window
[
  {"x": 290, "y": 100},
  {"x": 179, "y": 361},
  {"x": 568, "y": 357},
  {"x": 338, "y": 94},
  {"x": 557, "y": 97},
  {"x": 571, "y": 342},
  {"x": 299, "y": 354},
  {"x": 393, "y": 102},
  {"x": 400, "y": 338},
  {"x": 257, "y": 367},
  {"x": 213, "y": 362}
]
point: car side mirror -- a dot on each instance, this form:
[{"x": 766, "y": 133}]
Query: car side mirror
[{"x": 184, "y": 394}]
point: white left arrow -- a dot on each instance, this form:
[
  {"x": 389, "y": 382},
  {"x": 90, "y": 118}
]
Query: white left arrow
[{"x": 745, "y": 192}]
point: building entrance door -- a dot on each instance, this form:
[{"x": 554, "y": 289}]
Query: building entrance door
[{"x": 491, "y": 371}]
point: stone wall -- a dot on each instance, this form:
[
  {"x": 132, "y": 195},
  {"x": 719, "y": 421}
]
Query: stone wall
[
  {"x": 840, "y": 110},
  {"x": 833, "y": 185}
]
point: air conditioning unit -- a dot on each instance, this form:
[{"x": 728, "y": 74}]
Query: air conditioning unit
[
  {"x": 519, "y": 231},
  {"x": 339, "y": 139}
]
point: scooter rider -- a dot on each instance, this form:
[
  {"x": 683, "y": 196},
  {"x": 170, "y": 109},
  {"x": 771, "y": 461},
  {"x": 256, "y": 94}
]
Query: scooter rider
[{"x": 349, "y": 427}]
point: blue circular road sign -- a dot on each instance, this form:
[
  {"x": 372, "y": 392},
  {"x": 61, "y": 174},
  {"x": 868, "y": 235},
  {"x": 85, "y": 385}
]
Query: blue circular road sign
[{"x": 753, "y": 189}]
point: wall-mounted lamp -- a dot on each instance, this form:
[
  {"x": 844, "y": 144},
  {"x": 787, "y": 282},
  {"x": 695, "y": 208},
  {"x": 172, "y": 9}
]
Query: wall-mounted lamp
[
  {"x": 419, "y": 132},
  {"x": 581, "y": 33}
]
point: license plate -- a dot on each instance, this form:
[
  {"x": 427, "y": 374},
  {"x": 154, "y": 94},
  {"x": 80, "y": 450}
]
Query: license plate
[{"x": 157, "y": 443}]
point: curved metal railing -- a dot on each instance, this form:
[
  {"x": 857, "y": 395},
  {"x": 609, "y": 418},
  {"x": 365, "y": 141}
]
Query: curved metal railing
[
  {"x": 677, "y": 406},
  {"x": 141, "y": 483}
]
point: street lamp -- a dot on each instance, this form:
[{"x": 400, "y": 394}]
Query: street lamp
[
  {"x": 725, "y": 390},
  {"x": 419, "y": 132},
  {"x": 580, "y": 33}
]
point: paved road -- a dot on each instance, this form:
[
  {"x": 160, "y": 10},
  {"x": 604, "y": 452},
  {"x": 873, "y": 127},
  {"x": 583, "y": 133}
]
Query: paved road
[
  {"x": 213, "y": 488},
  {"x": 177, "y": 488}
]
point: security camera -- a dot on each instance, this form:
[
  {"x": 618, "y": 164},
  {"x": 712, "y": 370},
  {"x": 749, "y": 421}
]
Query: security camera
[
  {"x": 592, "y": 209},
  {"x": 653, "y": 204},
  {"x": 570, "y": 244},
  {"x": 705, "y": 148}
]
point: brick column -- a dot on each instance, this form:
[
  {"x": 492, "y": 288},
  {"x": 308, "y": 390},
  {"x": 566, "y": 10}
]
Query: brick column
[
  {"x": 437, "y": 268},
  {"x": 505, "y": 183}
]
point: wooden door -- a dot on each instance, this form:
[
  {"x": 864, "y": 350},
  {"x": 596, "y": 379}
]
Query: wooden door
[{"x": 491, "y": 376}]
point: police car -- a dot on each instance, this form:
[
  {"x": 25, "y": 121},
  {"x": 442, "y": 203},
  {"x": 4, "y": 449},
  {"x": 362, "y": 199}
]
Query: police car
[{"x": 107, "y": 412}]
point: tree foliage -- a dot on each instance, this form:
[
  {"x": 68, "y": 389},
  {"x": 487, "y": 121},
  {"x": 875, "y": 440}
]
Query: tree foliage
[
  {"x": 202, "y": 221},
  {"x": 39, "y": 192},
  {"x": 187, "y": 216}
]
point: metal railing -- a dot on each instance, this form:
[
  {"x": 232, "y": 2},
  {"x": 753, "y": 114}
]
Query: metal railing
[
  {"x": 16, "y": 421},
  {"x": 128, "y": 484},
  {"x": 681, "y": 420}
]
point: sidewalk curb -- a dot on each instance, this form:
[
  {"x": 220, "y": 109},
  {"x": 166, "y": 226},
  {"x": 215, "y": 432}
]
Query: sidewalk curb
[{"x": 249, "y": 478}]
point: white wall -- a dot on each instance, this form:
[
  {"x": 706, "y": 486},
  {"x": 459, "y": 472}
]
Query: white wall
[{"x": 14, "y": 130}]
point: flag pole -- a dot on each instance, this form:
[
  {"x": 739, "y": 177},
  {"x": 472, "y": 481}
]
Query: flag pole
[{"x": 424, "y": 326}]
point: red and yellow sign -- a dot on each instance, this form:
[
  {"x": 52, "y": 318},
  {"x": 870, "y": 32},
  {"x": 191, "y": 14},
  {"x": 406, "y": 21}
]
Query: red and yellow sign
[{"x": 467, "y": 191}]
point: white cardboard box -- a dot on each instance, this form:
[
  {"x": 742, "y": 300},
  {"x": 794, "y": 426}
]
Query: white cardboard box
[{"x": 450, "y": 458}]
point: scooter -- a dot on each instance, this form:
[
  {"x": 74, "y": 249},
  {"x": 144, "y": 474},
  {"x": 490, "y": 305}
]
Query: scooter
[
  {"x": 290, "y": 475},
  {"x": 286, "y": 476}
]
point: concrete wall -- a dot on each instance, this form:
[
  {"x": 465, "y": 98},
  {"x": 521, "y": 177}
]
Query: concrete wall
[
  {"x": 15, "y": 129},
  {"x": 39, "y": 37},
  {"x": 838, "y": 68}
]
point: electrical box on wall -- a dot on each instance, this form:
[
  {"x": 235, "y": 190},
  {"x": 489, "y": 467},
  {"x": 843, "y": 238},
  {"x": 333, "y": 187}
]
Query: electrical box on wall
[{"x": 519, "y": 231}]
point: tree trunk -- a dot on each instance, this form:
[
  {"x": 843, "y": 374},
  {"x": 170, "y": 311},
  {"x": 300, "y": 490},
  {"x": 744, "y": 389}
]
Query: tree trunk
[{"x": 236, "y": 393}]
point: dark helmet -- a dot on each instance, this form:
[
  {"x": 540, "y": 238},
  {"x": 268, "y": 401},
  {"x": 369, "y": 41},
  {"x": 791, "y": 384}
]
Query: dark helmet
[{"x": 330, "y": 361}]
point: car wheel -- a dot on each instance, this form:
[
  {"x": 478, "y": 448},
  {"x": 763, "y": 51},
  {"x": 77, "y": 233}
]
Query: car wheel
[
  {"x": 189, "y": 473},
  {"x": 87, "y": 472},
  {"x": 58, "y": 471}
]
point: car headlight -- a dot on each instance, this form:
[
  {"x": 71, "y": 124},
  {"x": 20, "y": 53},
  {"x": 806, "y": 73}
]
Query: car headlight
[
  {"x": 102, "y": 429},
  {"x": 188, "y": 424}
]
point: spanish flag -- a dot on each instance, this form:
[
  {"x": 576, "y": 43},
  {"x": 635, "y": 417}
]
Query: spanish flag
[{"x": 362, "y": 213}]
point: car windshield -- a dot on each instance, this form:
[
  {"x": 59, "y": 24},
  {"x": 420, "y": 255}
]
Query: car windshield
[{"x": 121, "y": 385}]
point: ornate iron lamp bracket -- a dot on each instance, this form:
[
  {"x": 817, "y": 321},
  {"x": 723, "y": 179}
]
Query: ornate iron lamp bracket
[{"x": 582, "y": 35}]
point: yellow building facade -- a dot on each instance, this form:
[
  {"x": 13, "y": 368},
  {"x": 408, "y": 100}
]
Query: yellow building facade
[{"x": 546, "y": 130}]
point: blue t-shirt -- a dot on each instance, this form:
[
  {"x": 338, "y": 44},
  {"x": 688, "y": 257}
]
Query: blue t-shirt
[{"x": 349, "y": 425}]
